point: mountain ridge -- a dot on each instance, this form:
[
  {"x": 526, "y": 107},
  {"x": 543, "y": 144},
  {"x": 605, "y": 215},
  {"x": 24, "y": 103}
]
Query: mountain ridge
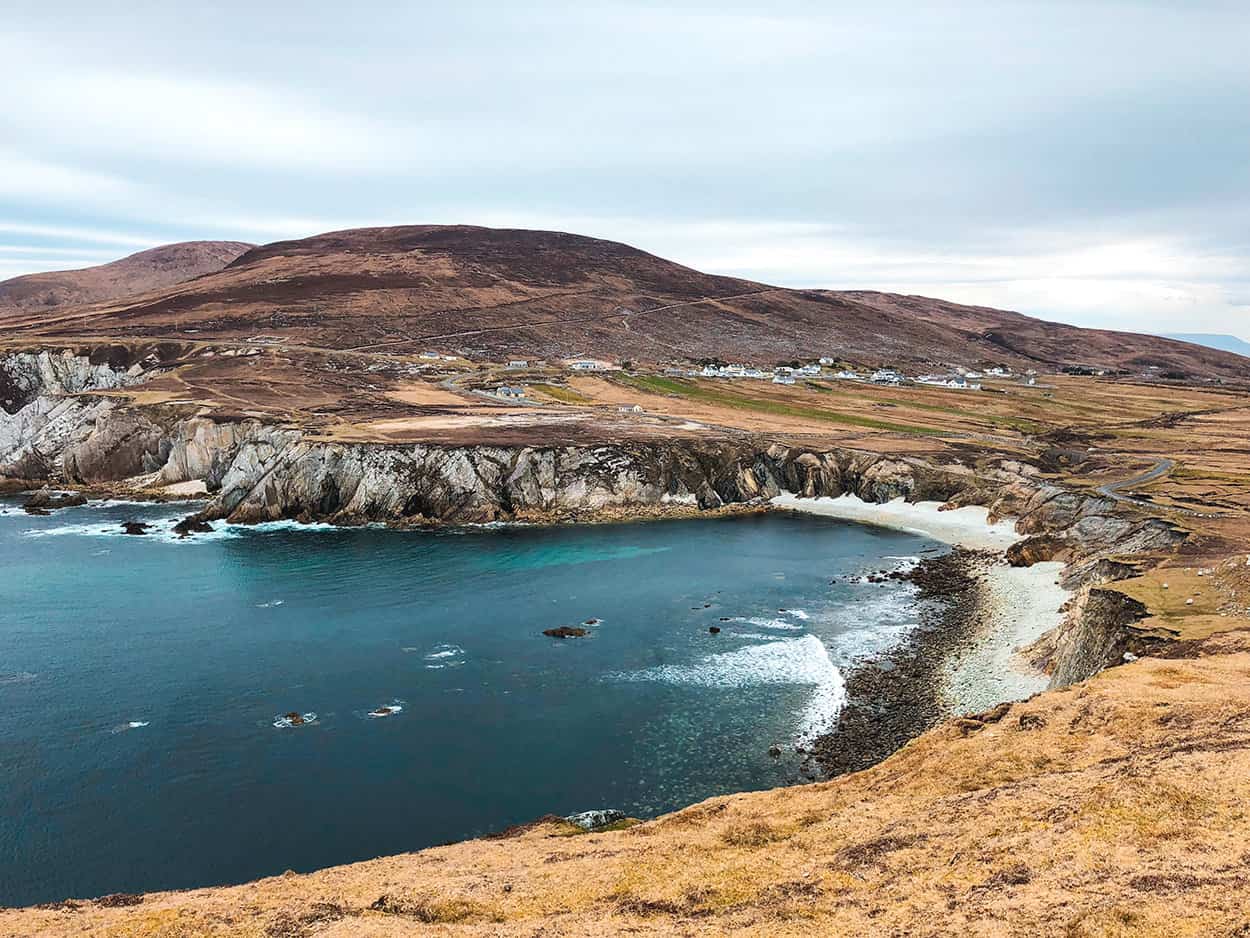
[
  {"x": 154, "y": 268},
  {"x": 493, "y": 293}
]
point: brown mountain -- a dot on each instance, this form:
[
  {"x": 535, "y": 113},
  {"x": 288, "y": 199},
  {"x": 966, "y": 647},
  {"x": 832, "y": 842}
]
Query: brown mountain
[
  {"x": 154, "y": 269},
  {"x": 495, "y": 293}
]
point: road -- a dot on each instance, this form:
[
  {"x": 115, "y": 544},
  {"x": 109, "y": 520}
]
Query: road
[{"x": 1157, "y": 471}]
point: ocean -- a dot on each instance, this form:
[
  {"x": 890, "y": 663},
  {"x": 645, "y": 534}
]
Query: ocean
[{"x": 144, "y": 682}]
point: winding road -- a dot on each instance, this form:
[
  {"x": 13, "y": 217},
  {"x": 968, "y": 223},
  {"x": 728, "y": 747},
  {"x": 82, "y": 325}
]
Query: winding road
[{"x": 1157, "y": 471}]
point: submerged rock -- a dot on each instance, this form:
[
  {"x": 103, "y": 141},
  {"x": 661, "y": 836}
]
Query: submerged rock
[
  {"x": 714, "y": 629},
  {"x": 565, "y": 631},
  {"x": 294, "y": 718}
]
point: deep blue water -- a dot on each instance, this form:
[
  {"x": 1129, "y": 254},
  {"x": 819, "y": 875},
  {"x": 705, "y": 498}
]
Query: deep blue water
[{"x": 208, "y": 641}]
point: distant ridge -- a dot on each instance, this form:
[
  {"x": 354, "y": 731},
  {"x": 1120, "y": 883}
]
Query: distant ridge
[
  {"x": 153, "y": 269},
  {"x": 1225, "y": 343}
]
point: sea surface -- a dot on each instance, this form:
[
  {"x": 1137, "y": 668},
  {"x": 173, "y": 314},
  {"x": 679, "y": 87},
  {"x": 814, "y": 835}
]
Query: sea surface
[{"x": 141, "y": 679}]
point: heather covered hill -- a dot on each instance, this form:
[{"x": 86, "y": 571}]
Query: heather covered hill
[
  {"x": 495, "y": 293},
  {"x": 154, "y": 269}
]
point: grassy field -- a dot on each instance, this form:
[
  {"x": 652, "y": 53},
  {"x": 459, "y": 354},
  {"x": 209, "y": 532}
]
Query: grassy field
[
  {"x": 560, "y": 393},
  {"x": 654, "y": 384}
]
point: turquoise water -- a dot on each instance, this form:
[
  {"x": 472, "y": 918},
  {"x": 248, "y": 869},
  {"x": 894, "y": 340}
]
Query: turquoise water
[{"x": 140, "y": 680}]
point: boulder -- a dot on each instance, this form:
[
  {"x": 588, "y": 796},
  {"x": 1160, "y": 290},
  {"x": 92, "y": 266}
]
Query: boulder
[
  {"x": 565, "y": 631},
  {"x": 192, "y": 525},
  {"x": 596, "y": 820},
  {"x": 135, "y": 527}
]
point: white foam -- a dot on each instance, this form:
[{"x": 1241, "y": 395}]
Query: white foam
[
  {"x": 381, "y": 713},
  {"x": 127, "y": 727},
  {"x": 779, "y": 624},
  {"x": 788, "y": 661},
  {"x": 162, "y": 529},
  {"x": 271, "y": 604},
  {"x": 284, "y": 722},
  {"x": 796, "y": 613},
  {"x": 444, "y": 651}
]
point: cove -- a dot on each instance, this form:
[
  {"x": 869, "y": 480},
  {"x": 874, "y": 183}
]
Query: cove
[{"x": 141, "y": 679}]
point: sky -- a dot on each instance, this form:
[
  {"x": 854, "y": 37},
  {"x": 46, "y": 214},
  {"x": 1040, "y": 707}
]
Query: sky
[{"x": 1086, "y": 161}]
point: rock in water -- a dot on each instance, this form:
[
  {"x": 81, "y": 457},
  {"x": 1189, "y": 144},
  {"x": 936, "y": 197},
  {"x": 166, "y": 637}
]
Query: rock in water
[
  {"x": 192, "y": 525},
  {"x": 565, "y": 631},
  {"x": 714, "y": 629},
  {"x": 45, "y": 500},
  {"x": 135, "y": 527},
  {"x": 594, "y": 820}
]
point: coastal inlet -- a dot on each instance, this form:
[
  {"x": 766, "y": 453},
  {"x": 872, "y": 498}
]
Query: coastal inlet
[{"x": 292, "y": 697}]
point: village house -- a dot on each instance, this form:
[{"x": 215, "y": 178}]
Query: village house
[{"x": 509, "y": 391}]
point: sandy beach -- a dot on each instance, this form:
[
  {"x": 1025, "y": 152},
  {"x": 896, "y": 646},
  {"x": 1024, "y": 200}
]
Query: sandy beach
[{"x": 1019, "y": 604}]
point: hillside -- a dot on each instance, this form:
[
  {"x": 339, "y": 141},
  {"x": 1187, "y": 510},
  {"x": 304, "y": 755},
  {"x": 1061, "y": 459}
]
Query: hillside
[
  {"x": 154, "y": 269},
  {"x": 496, "y": 293}
]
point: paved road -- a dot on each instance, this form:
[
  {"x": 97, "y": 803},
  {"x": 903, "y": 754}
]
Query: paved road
[{"x": 1157, "y": 471}]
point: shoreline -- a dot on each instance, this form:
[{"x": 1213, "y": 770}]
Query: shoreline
[{"x": 977, "y": 614}]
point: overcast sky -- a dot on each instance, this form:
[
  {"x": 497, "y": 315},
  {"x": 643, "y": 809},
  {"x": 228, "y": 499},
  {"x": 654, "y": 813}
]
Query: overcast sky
[{"x": 1084, "y": 161}]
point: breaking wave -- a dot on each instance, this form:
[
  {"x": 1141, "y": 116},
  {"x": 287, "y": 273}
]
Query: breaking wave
[
  {"x": 788, "y": 661},
  {"x": 445, "y": 656},
  {"x": 780, "y": 625}
]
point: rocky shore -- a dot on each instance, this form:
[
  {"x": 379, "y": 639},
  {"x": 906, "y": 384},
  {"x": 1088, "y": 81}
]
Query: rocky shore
[{"x": 894, "y": 697}]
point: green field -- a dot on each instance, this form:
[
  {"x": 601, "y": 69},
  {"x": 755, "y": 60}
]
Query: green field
[{"x": 675, "y": 386}]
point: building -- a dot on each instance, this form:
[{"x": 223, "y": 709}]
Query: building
[
  {"x": 630, "y": 408},
  {"x": 430, "y": 355},
  {"x": 886, "y": 376},
  {"x": 518, "y": 363},
  {"x": 509, "y": 391},
  {"x": 826, "y": 361},
  {"x": 810, "y": 370},
  {"x": 779, "y": 378}
]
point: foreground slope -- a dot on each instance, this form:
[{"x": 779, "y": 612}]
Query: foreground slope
[
  {"x": 1110, "y": 808},
  {"x": 154, "y": 269},
  {"x": 495, "y": 293}
]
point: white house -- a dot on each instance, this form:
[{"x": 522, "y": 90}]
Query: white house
[
  {"x": 826, "y": 361},
  {"x": 810, "y": 370},
  {"x": 886, "y": 376},
  {"x": 779, "y": 378},
  {"x": 630, "y": 408},
  {"x": 509, "y": 391},
  {"x": 430, "y": 355},
  {"x": 518, "y": 363}
]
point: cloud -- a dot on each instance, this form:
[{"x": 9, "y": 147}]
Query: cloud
[{"x": 1072, "y": 159}]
